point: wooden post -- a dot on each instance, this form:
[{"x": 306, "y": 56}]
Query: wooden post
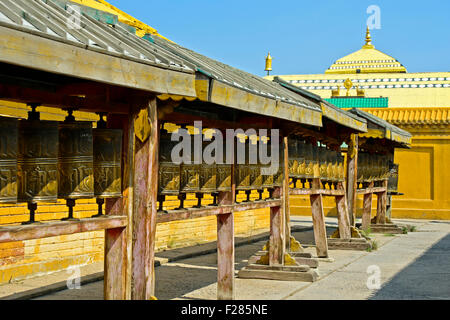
[
  {"x": 286, "y": 208},
  {"x": 277, "y": 244},
  {"x": 116, "y": 248},
  {"x": 144, "y": 204},
  {"x": 342, "y": 214},
  {"x": 367, "y": 209},
  {"x": 381, "y": 205},
  {"x": 225, "y": 245},
  {"x": 320, "y": 230},
  {"x": 352, "y": 177}
]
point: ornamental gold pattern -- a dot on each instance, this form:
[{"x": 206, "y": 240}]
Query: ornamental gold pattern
[
  {"x": 37, "y": 162},
  {"x": 107, "y": 162},
  {"x": 8, "y": 159},
  {"x": 75, "y": 161}
]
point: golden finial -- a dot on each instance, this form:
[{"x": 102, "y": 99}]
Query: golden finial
[
  {"x": 268, "y": 63},
  {"x": 368, "y": 44},
  {"x": 336, "y": 93}
]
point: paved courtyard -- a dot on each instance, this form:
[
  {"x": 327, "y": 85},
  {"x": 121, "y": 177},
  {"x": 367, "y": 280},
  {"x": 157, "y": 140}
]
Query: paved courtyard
[{"x": 412, "y": 266}]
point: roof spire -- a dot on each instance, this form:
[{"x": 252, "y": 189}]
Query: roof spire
[{"x": 368, "y": 44}]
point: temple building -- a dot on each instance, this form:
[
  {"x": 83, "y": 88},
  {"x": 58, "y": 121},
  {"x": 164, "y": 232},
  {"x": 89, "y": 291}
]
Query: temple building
[{"x": 416, "y": 102}]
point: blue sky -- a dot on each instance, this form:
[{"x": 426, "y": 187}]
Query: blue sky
[{"x": 302, "y": 36}]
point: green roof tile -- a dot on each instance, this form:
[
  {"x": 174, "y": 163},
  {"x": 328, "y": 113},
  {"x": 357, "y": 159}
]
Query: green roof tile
[{"x": 352, "y": 102}]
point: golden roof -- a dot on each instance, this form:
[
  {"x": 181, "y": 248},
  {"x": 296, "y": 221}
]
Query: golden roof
[
  {"x": 141, "y": 28},
  {"x": 366, "y": 60},
  {"x": 413, "y": 116}
]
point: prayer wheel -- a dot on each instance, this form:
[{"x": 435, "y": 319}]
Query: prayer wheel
[
  {"x": 75, "y": 160},
  {"x": 107, "y": 163},
  {"x": 323, "y": 165},
  {"x": 8, "y": 159},
  {"x": 190, "y": 173},
  {"x": 256, "y": 177},
  {"x": 301, "y": 172},
  {"x": 37, "y": 163},
  {"x": 242, "y": 170},
  {"x": 267, "y": 180},
  {"x": 309, "y": 160},
  {"x": 293, "y": 158},
  {"x": 169, "y": 172},
  {"x": 393, "y": 177}
]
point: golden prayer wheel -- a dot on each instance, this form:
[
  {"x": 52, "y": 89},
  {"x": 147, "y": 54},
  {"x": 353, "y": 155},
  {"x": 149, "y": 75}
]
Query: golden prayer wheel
[
  {"x": 208, "y": 176},
  {"x": 309, "y": 160},
  {"x": 190, "y": 173},
  {"x": 316, "y": 163},
  {"x": 37, "y": 163},
  {"x": 242, "y": 170},
  {"x": 267, "y": 180},
  {"x": 323, "y": 163},
  {"x": 8, "y": 159},
  {"x": 278, "y": 177},
  {"x": 256, "y": 177},
  {"x": 107, "y": 162},
  {"x": 301, "y": 171},
  {"x": 75, "y": 160},
  {"x": 169, "y": 172},
  {"x": 330, "y": 160},
  {"x": 341, "y": 167},
  {"x": 393, "y": 177},
  {"x": 293, "y": 158}
]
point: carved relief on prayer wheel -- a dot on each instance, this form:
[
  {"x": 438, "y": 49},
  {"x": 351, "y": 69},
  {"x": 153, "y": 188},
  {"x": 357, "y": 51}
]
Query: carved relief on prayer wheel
[
  {"x": 37, "y": 163},
  {"x": 242, "y": 170},
  {"x": 190, "y": 173},
  {"x": 323, "y": 163},
  {"x": 293, "y": 157},
  {"x": 208, "y": 175},
  {"x": 75, "y": 160},
  {"x": 256, "y": 178},
  {"x": 169, "y": 172},
  {"x": 301, "y": 171},
  {"x": 309, "y": 160},
  {"x": 330, "y": 161},
  {"x": 393, "y": 177},
  {"x": 107, "y": 163},
  {"x": 8, "y": 159}
]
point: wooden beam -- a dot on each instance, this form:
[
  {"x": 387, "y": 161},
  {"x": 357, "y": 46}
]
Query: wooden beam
[
  {"x": 320, "y": 230},
  {"x": 367, "y": 210},
  {"x": 324, "y": 192},
  {"x": 285, "y": 195},
  {"x": 44, "y": 52},
  {"x": 59, "y": 228},
  {"x": 352, "y": 177},
  {"x": 371, "y": 190}
]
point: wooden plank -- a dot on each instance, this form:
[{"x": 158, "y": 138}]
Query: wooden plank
[
  {"x": 371, "y": 190},
  {"x": 320, "y": 231},
  {"x": 59, "y": 228},
  {"x": 115, "y": 270},
  {"x": 324, "y": 192},
  {"x": 342, "y": 214},
  {"x": 381, "y": 205},
  {"x": 193, "y": 213},
  {"x": 352, "y": 177},
  {"x": 26, "y": 49},
  {"x": 277, "y": 234},
  {"x": 301, "y": 268},
  {"x": 308, "y": 276}
]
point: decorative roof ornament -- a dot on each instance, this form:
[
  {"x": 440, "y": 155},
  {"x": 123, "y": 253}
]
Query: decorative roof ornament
[
  {"x": 268, "y": 64},
  {"x": 348, "y": 84},
  {"x": 368, "y": 44}
]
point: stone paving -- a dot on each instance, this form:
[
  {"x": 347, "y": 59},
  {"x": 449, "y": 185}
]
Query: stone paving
[{"x": 412, "y": 266}]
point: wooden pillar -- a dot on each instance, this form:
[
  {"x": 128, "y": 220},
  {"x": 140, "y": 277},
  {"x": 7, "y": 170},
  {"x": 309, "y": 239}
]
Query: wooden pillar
[
  {"x": 116, "y": 247},
  {"x": 145, "y": 202},
  {"x": 342, "y": 215},
  {"x": 225, "y": 245},
  {"x": 381, "y": 205},
  {"x": 320, "y": 230},
  {"x": 352, "y": 177},
  {"x": 285, "y": 193},
  {"x": 277, "y": 244},
  {"x": 367, "y": 209}
]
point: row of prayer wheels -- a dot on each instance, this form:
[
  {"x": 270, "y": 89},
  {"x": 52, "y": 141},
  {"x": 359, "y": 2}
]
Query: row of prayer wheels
[
  {"x": 43, "y": 161},
  {"x": 202, "y": 178},
  {"x": 373, "y": 167},
  {"x": 308, "y": 161}
]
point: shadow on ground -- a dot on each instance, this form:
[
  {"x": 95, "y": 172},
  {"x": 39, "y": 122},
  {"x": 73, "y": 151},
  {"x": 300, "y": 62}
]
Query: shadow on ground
[{"x": 428, "y": 277}]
